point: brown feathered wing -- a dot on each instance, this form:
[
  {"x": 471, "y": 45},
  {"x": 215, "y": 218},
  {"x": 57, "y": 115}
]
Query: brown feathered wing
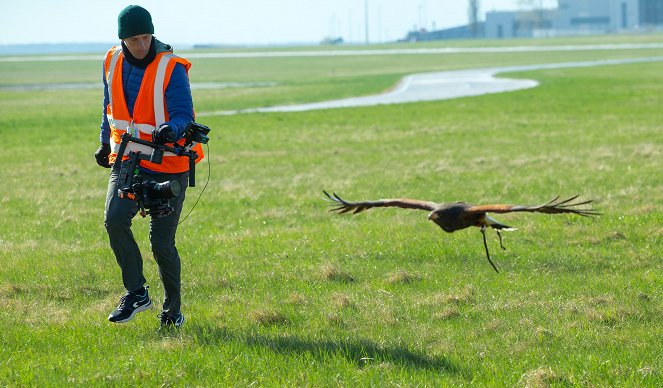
[
  {"x": 343, "y": 206},
  {"x": 555, "y": 206}
]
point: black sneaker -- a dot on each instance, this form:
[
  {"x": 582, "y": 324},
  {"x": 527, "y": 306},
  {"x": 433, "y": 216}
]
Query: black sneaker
[
  {"x": 130, "y": 304},
  {"x": 171, "y": 320}
]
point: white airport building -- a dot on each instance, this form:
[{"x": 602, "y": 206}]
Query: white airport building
[{"x": 576, "y": 17}]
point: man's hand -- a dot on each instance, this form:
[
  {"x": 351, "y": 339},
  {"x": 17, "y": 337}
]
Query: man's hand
[
  {"x": 164, "y": 134},
  {"x": 102, "y": 155}
]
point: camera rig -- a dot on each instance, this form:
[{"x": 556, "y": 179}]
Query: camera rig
[{"x": 154, "y": 198}]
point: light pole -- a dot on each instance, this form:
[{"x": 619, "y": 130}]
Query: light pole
[
  {"x": 366, "y": 19},
  {"x": 474, "y": 17}
]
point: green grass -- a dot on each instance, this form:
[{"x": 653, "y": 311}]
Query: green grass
[{"x": 278, "y": 291}]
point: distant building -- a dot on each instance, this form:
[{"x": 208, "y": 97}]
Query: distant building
[
  {"x": 332, "y": 41},
  {"x": 595, "y": 16},
  {"x": 571, "y": 17},
  {"x": 576, "y": 17},
  {"x": 462, "y": 32},
  {"x": 650, "y": 13},
  {"x": 501, "y": 24}
]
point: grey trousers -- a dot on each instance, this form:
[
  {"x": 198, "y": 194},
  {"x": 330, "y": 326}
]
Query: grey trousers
[{"x": 118, "y": 215}]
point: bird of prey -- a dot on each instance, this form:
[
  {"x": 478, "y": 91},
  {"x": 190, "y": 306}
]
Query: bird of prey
[{"x": 460, "y": 215}]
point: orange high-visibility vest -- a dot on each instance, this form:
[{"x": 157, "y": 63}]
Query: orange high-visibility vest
[{"x": 149, "y": 110}]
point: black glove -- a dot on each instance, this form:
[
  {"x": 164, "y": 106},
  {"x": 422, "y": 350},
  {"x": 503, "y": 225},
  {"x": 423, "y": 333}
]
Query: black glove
[
  {"x": 164, "y": 134},
  {"x": 102, "y": 155}
]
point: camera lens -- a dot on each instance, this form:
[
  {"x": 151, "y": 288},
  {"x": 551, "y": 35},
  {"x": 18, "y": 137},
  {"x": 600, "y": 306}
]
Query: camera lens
[{"x": 168, "y": 189}]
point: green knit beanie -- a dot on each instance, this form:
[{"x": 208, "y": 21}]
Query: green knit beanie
[{"x": 134, "y": 20}]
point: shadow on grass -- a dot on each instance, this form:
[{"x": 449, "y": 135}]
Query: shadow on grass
[{"x": 361, "y": 352}]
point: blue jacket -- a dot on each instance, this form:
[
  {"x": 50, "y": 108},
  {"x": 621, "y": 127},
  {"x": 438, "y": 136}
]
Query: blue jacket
[{"x": 179, "y": 103}]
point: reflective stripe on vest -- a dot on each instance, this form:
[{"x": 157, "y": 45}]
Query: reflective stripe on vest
[
  {"x": 159, "y": 105},
  {"x": 111, "y": 71}
]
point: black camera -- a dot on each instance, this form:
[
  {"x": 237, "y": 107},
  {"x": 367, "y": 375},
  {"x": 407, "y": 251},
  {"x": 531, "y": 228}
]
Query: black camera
[{"x": 154, "y": 198}]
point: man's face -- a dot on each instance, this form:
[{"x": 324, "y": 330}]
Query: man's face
[{"x": 139, "y": 45}]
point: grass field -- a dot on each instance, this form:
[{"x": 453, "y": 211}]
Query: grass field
[{"x": 278, "y": 291}]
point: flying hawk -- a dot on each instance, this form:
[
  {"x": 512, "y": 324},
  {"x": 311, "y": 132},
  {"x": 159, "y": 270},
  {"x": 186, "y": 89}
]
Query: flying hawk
[{"x": 460, "y": 215}]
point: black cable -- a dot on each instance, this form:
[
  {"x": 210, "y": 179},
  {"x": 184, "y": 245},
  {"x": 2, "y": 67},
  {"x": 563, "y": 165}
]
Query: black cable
[{"x": 209, "y": 169}]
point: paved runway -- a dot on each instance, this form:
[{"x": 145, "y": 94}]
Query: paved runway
[{"x": 440, "y": 86}]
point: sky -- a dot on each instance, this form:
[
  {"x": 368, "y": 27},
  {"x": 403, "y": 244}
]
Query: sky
[{"x": 237, "y": 22}]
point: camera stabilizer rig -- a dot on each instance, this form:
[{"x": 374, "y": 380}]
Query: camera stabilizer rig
[{"x": 154, "y": 198}]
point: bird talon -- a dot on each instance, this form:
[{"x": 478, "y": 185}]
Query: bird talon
[
  {"x": 485, "y": 245},
  {"x": 500, "y": 236}
]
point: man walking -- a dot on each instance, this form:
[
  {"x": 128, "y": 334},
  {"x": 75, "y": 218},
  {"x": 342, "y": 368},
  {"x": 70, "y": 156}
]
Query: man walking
[{"x": 146, "y": 93}]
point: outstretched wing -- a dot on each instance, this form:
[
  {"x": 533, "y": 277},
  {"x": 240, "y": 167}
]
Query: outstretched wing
[
  {"x": 343, "y": 206},
  {"x": 555, "y": 206}
]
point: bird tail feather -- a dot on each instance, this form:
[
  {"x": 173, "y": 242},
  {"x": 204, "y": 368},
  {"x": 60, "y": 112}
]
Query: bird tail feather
[{"x": 493, "y": 223}]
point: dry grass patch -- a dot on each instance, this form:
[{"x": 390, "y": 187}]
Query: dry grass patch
[
  {"x": 544, "y": 334},
  {"x": 604, "y": 309},
  {"x": 333, "y": 273},
  {"x": 269, "y": 317},
  {"x": 297, "y": 299},
  {"x": 11, "y": 290},
  {"x": 174, "y": 342},
  {"x": 342, "y": 301},
  {"x": 464, "y": 296},
  {"x": 611, "y": 316},
  {"x": 448, "y": 312},
  {"x": 335, "y": 319},
  {"x": 647, "y": 371},
  {"x": 543, "y": 377},
  {"x": 607, "y": 238},
  {"x": 402, "y": 277}
]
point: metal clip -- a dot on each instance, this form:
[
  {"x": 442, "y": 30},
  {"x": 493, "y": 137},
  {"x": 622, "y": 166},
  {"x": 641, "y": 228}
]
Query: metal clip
[{"x": 133, "y": 131}]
